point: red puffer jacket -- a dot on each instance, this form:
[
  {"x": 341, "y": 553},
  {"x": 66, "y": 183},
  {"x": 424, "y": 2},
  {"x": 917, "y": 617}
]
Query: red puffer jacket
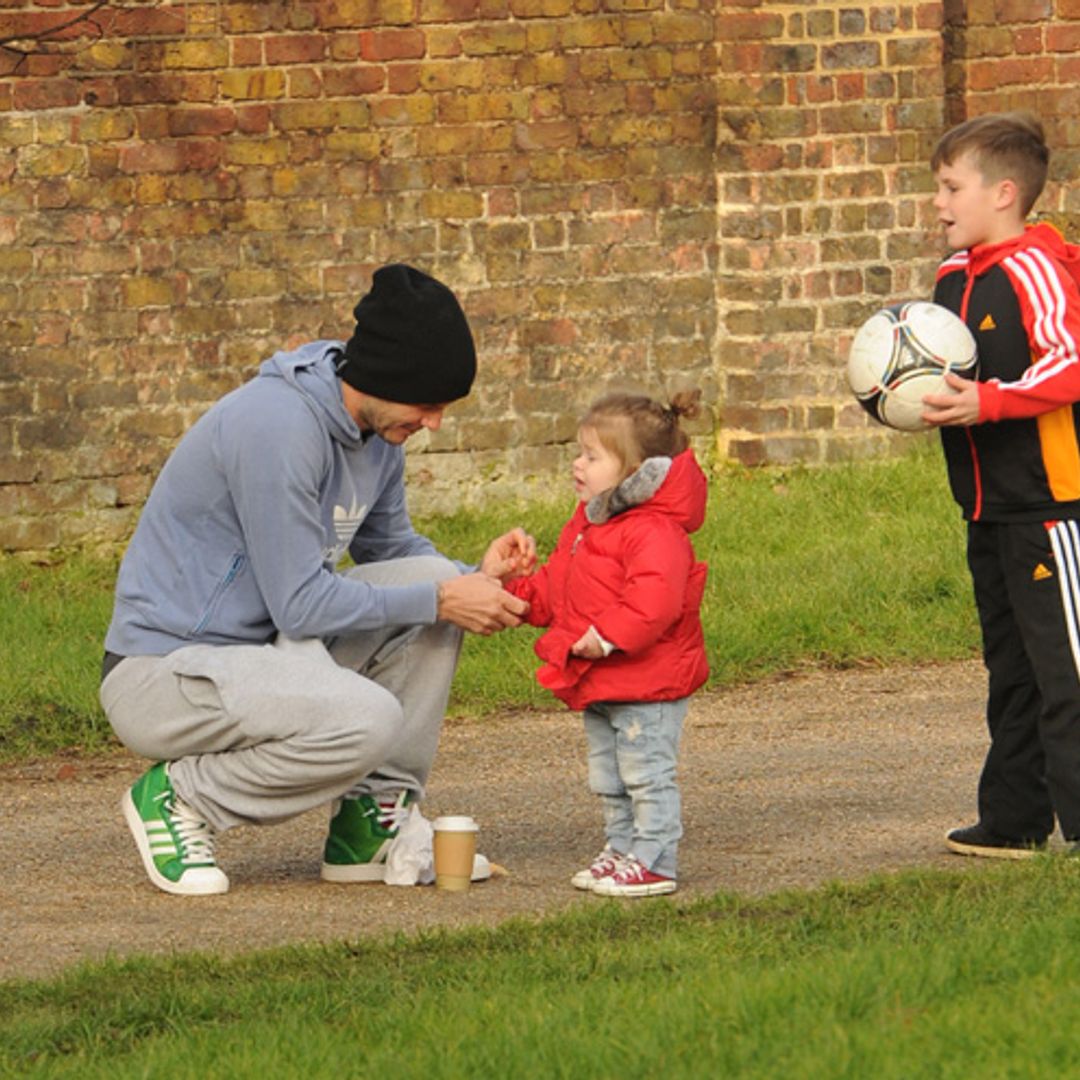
[{"x": 632, "y": 574}]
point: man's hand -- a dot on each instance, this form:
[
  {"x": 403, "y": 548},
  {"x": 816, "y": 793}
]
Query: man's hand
[
  {"x": 479, "y": 603},
  {"x": 511, "y": 555},
  {"x": 960, "y": 408}
]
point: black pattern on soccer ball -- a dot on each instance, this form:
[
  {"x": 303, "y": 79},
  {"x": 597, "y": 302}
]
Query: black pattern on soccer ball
[{"x": 902, "y": 353}]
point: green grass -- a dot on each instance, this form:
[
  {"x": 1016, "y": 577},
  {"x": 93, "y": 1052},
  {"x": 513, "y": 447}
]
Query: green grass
[
  {"x": 919, "y": 975},
  {"x": 52, "y": 621},
  {"x": 853, "y": 564}
]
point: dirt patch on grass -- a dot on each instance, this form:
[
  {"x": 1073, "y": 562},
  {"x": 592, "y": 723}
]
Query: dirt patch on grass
[{"x": 787, "y": 783}]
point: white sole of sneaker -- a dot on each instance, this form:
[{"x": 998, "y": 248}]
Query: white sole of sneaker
[
  {"x": 959, "y": 848},
  {"x": 353, "y": 873},
  {"x": 198, "y": 881},
  {"x": 607, "y": 887}
]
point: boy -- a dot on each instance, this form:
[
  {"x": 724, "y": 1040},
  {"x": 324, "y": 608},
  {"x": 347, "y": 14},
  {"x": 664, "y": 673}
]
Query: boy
[{"x": 1012, "y": 448}]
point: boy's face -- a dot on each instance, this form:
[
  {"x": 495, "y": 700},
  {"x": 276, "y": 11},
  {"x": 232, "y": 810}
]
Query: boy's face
[
  {"x": 972, "y": 209},
  {"x": 596, "y": 468}
]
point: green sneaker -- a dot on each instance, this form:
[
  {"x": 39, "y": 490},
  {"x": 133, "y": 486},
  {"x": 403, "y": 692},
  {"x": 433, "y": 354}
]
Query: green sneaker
[
  {"x": 361, "y": 832},
  {"x": 176, "y": 846}
]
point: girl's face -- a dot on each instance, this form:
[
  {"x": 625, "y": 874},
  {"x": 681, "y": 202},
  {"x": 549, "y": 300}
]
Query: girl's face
[{"x": 595, "y": 468}]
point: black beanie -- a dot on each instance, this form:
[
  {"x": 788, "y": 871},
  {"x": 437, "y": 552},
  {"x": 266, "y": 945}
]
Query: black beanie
[{"x": 412, "y": 344}]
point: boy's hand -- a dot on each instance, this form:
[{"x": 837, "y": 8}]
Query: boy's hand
[
  {"x": 511, "y": 555},
  {"x": 957, "y": 409}
]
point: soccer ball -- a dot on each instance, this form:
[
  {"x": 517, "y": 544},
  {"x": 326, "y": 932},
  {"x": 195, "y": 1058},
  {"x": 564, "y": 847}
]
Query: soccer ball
[{"x": 902, "y": 353}]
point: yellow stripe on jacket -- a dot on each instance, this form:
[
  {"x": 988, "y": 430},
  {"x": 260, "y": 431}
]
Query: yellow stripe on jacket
[{"x": 1060, "y": 453}]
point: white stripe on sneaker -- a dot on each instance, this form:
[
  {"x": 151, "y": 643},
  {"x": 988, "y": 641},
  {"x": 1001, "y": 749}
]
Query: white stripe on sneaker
[{"x": 160, "y": 838}]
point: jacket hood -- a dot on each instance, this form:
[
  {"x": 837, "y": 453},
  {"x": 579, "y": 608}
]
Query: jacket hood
[
  {"x": 311, "y": 371},
  {"x": 674, "y": 486},
  {"x": 1043, "y": 236}
]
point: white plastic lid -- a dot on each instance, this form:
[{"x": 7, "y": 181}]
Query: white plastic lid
[{"x": 455, "y": 823}]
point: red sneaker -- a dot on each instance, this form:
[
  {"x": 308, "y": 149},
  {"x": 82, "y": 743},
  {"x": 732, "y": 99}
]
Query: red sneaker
[
  {"x": 633, "y": 878},
  {"x": 604, "y": 865}
]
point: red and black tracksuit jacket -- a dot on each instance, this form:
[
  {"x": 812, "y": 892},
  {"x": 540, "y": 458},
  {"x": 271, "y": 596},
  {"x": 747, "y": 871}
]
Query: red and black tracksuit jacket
[{"x": 1021, "y": 301}]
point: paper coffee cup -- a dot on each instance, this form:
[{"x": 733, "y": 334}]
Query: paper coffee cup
[{"x": 455, "y": 849}]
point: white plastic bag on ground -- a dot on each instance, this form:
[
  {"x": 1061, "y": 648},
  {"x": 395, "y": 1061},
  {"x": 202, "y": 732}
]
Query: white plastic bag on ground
[{"x": 410, "y": 860}]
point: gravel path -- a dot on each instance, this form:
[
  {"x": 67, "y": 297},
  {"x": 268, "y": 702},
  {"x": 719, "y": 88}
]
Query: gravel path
[{"x": 791, "y": 782}]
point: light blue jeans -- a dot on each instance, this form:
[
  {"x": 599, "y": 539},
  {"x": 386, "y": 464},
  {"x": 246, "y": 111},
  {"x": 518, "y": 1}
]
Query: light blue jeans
[{"x": 633, "y": 750}]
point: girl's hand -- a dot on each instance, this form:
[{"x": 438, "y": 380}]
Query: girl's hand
[
  {"x": 588, "y": 646},
  {"x": 509, "y": 556}
]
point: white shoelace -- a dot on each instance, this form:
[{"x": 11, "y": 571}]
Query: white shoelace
[
  {"x": 607, "y": 862},
  {"x": 629, "y": 870},
  {"x": 392, "y": 812},
  {"x": 196, "y": 837}
]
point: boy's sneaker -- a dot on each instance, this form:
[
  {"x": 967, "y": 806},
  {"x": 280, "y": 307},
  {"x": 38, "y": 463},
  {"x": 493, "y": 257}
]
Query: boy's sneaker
[
  {"x": 633, "y": 878},
  {"x": 977, "y": 839},
  {"x": 604, "y": 865},
  {"x": 361, "y": 832},
  {"x": 176, "y": 845}
]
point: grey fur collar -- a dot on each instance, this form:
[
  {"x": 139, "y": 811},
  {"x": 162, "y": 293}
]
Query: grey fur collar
[{"x": 640, "y": 486}]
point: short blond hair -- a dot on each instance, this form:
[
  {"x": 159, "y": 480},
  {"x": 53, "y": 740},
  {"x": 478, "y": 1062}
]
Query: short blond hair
[{"x": 1002, "y": 146}]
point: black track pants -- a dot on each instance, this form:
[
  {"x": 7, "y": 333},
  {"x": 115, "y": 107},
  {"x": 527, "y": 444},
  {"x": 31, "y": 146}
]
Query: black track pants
[{"x": 1027, "y": 590}]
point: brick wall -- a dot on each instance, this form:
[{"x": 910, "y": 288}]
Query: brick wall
[
  {"x": 1007, "y": 54},
  {"x": 651, "y": 191},
  {"x": 827, "y": 113}
]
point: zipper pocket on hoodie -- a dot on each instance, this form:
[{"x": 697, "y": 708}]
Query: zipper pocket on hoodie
[{"x": 235, "y": 567}]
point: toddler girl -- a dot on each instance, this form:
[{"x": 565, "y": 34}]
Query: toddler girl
[{"x": 621, "y": 595}]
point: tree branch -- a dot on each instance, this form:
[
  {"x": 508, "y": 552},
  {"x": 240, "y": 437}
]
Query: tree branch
[{"x": 24, "y": 45}]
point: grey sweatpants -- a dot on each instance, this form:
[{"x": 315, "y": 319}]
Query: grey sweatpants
[{"x": 256, "y": 734}]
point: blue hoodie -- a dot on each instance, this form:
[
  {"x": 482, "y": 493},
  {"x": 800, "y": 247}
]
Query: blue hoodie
[{"x": 253, "y": 510}]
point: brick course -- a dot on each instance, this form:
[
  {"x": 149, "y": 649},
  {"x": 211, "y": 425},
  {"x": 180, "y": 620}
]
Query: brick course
[{"x": 627, "y": 191}]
